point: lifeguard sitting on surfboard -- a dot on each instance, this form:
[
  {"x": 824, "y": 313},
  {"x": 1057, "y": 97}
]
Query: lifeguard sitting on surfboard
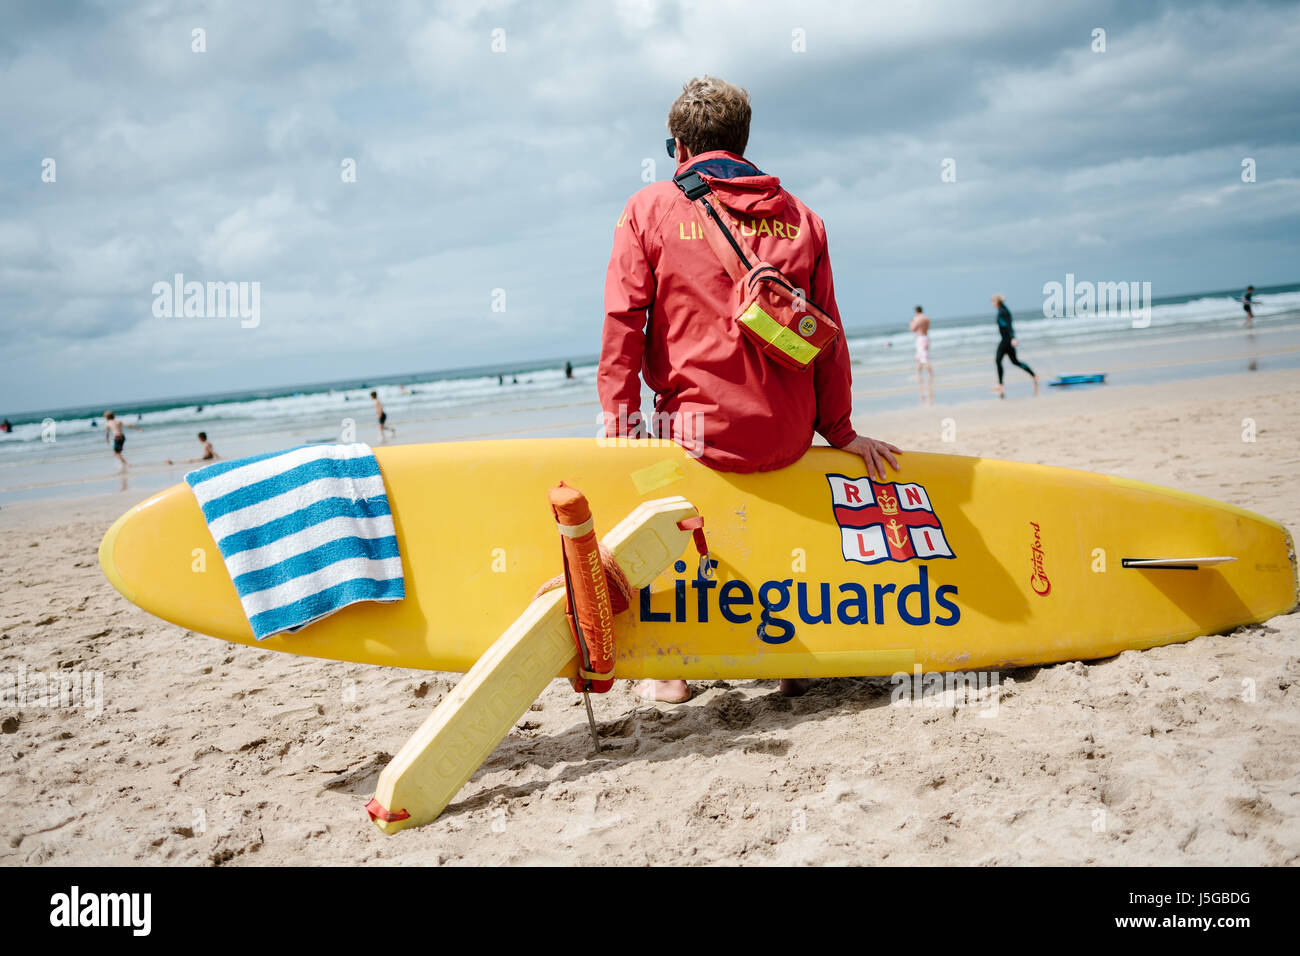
[{"x": 744, "y": 346}]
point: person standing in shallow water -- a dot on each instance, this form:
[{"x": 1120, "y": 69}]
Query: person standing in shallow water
[
  {"x": 1007, "y": 346},
  {"x": 115, "y": 436},
  {"x": 382, "y": 416},
  {"x": 920, "y": 327}
]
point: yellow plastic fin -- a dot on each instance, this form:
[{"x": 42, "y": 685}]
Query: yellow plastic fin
[{"x": 466, "y": 726}]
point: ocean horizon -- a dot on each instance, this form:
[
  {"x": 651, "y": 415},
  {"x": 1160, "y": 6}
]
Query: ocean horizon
[
  {"x": 1213, "y": 303},
  {"x": 60, "y": 452}
]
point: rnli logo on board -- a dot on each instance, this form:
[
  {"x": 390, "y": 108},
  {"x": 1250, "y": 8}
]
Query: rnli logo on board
[
  {"x": 807, "y": 325},
  {"x": 886, "y": 521}
]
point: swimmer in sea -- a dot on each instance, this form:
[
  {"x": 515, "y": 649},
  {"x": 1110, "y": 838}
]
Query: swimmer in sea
[
  {"x": 1007, "y": 346},
  {"x": 920, "y": 326},
  {"x": 114, "y": 435},
  {"x": 383, "y": 417},
  {"x": 208, "y": 453}
]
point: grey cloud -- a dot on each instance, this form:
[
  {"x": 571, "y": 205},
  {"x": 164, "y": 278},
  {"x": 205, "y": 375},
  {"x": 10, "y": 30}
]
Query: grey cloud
[{"x": 478, "y": 170}]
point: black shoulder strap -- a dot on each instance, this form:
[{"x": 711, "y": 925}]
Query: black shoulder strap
[{"x": 692, "y": 184}]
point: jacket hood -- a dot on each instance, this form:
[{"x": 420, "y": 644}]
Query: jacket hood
[{"x": 739, "y": 184}]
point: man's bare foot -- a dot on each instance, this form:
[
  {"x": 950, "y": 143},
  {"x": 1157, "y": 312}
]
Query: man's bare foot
[
  {"x": 999, "y": 391},
  {"x": 663, "y": 691},
  {"x": 795, "y": 686}
]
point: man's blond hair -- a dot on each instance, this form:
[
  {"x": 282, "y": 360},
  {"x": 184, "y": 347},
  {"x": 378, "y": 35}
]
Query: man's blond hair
[{"x": 710, "y": 114}]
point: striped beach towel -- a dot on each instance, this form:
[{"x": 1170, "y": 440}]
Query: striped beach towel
[{"x": 304, "y": 533}]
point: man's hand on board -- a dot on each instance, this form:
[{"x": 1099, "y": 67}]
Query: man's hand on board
[{"x": 875, "y": 453}]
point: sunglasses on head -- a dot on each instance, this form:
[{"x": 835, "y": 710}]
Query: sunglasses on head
[{"x": 672, "y": 146}]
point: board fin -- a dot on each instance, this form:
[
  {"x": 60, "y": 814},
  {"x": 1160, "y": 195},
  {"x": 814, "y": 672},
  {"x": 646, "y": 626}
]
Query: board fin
[
  {"x": 1175, "y": 564},
  {"x": 467, "y": 725}
]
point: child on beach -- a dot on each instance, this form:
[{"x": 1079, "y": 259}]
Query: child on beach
[
  {"x": 208, "y": 453},
  {"x": 920, "y": 326},
  {"x": 1248, "y": 305},
  {"x": 114, "y": 435},
  {"x": 383, "y": 417}
]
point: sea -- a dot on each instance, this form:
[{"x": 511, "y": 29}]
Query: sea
[{"x": 62, "y": 451}]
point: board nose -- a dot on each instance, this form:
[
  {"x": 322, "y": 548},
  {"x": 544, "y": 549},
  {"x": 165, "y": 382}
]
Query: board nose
[{"x": 107, "y": 561}]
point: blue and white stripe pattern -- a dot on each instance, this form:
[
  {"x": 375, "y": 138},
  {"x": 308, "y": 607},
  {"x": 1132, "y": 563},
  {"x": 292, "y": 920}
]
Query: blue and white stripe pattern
[{"x": 304, "y": 533}]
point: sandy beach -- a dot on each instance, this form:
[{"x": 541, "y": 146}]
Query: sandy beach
[{"x": 185, "y": 750}]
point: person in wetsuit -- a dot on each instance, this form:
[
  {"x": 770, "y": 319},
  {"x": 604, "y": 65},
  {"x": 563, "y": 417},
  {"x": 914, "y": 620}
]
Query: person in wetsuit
[
  {"x": 1248, "y": 305},
  {"x": 1007, "y": 346}
]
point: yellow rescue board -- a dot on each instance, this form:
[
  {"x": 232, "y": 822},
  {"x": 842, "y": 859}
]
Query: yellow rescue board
[{"x": 954, "y": 563}]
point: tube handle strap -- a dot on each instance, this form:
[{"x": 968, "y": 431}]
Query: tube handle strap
[{"x": 695, "y": 526}]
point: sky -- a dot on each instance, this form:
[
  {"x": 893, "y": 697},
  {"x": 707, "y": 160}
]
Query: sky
[{"x": 495, "y": 143}]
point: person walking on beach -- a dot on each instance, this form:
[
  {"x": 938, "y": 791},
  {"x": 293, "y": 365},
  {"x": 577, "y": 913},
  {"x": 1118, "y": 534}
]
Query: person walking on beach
[
  {"x": 208, "y": 454},
  {"x": 1007, "y": 346},
  {"x": 383, "y": 417},
  {"x": 920, "y": 327},
  {"x": 115, "y": 436},
  {"x": 1248, "y": 305},
  {"x": 717, "y": 394}
]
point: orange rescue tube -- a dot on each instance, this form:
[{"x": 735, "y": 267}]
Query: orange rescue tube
[{"x": 592, "y": 604}]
